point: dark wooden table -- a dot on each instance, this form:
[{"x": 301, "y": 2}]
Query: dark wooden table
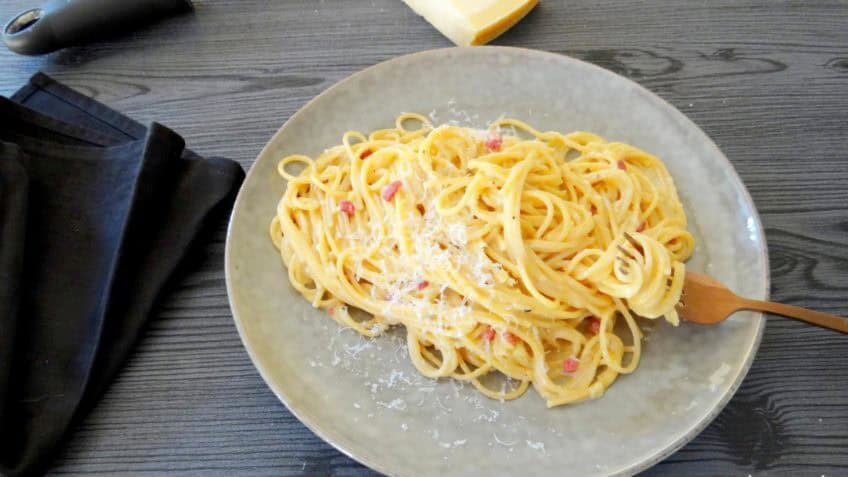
[{"x": 768, "y": 80}]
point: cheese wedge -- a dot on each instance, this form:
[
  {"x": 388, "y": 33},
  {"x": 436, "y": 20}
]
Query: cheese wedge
[{"x": 472, "y": 22}]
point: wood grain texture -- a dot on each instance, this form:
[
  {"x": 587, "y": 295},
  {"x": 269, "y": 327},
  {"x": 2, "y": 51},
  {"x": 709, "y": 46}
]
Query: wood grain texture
[{"x": 768, "y": 80}]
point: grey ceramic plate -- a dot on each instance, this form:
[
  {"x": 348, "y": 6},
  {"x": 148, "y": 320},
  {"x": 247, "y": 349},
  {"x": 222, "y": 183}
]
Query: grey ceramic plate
[{"x": 365, "y": 397}]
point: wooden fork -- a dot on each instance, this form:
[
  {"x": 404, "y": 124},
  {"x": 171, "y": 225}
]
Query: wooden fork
[{"x": 707, "y": 301}]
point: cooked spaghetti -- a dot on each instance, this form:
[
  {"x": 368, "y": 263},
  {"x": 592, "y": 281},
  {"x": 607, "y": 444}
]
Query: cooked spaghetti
[{"x": 501, "y": 254}]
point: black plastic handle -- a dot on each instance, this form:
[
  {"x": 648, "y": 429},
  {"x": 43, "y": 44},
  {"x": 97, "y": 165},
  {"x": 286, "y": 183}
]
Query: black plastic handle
[{"x": 61, "y": 23}]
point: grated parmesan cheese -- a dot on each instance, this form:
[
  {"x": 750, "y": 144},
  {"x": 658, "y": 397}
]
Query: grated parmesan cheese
[
  {"x": 505, "y": 444},
  {"x": 540, "y": 446},
  {"x": 718, "y": 376}
]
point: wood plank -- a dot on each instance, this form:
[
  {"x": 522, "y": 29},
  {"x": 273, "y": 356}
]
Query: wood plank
[{"x": 767, "y": 80}]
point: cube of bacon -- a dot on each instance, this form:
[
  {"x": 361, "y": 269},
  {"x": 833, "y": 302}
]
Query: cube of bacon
[
  {"x": 594, "y": 325},
  {"x": 390, "y": 190},
  {"x": 494, "y": 141},
  {"x": 570, "y": 365},
  {"x": 347, "y": 207}
]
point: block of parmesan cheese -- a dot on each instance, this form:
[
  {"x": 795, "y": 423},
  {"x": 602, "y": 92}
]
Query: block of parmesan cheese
[{"x": 472, "y": 22}]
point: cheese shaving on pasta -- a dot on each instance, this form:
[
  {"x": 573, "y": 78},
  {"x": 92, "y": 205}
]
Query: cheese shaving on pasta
[{"x": 504, "y": 253}]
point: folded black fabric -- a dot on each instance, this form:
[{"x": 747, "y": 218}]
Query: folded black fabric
[{"x": 96, "y": 214}]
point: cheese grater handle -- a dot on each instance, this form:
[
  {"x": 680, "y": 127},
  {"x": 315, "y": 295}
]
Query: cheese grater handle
[{"x": 61, "y": 23}]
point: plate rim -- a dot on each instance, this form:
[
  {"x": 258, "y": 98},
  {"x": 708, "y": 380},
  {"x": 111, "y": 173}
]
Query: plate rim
[{"x": 735, "y": 180}]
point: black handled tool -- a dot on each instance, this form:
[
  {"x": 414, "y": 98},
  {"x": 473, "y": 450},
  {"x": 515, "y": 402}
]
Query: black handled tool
[{"x": 61, "y": 23}]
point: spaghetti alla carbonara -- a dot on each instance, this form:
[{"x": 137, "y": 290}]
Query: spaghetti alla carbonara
[{"x": 511, "y": 256}]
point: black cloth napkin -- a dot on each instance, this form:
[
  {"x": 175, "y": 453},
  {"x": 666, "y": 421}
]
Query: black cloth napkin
[{"x": 97, "y": 212}]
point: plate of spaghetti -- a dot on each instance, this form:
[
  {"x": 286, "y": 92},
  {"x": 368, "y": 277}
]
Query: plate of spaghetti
[{"x": 467, "y": 261}]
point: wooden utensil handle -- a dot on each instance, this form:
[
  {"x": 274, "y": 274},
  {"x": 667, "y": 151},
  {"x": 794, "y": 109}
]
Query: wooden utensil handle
[{"x": 825, "y": 320}]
